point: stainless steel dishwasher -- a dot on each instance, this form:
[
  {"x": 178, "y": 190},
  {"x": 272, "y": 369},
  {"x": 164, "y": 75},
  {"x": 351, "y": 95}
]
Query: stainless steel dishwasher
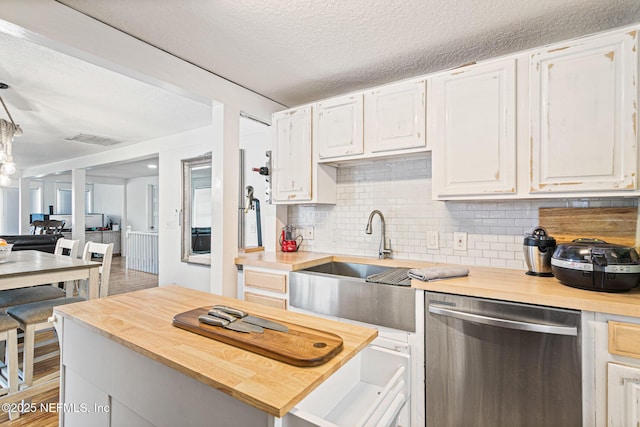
[{"x": 494, "y": 363}]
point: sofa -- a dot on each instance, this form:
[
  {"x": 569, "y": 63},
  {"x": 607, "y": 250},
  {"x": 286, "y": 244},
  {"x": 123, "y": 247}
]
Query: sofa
[
  {"x": 200, "y": 240},
  {"x": 33, "y": 242}
]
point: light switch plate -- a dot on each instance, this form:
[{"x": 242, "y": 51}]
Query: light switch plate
[
  {"x": 432, "y": 240},
  {"x": 460, "y": 241}
]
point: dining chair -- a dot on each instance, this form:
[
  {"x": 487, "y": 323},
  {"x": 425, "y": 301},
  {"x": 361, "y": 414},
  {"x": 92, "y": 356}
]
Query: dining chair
[
  {"x": 38, "y": 316},
  {"x": 54, "y": 226},
  {"x": 34, "y": 317},
  {"x": 105, "y": 252},
  {"x": 68, "y": 247},
  {"x": 38, "y": 227},
  {"x": 9, "y": 342}
]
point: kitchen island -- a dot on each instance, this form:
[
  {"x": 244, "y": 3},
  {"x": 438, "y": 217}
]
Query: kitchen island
[{"x": 123, "y": 363}]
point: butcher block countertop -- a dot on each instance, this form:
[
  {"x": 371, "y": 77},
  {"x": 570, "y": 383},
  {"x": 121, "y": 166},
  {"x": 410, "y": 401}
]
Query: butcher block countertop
[
  {"x": 141, "y": 321},
  {"x": 294, "y": 261},
  {"x": 497, "y": 283},
  {"x": 515, "y": 285}
]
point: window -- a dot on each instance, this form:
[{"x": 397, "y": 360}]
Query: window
[
  {"x": 65, "y": 203},
  {"x": 35, "y": 200}
]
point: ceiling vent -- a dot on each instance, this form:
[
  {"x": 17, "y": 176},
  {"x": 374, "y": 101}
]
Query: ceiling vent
[{"x": 94, "y": 139}]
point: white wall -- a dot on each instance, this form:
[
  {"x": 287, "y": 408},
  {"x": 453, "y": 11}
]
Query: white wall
[
  {"x": 401, "y": 190},
  {"x": 172, "y": 270},
  {"x": 138, "y": 203},
  {"x": 108, "y": 199}
]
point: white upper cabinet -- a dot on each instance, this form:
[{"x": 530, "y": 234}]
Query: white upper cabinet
[
  {"x": 296, "y": 176},
  {"x": 291, "y": 160},
  {"x": 583, "y": 100},
  {"x": 557, "y": 121},
  {"x": 339, "y": 126},
  {"x": 394, "y": 117},
  {"x": 472, "y": 128}
]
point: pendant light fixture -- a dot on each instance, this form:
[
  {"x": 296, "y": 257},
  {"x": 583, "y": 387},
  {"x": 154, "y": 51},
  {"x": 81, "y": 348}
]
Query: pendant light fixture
[{"x": 8, "y": 129}]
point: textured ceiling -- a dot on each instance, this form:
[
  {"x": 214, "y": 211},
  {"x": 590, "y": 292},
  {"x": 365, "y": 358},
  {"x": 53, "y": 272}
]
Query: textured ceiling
[{"x": 302, "y": 50}]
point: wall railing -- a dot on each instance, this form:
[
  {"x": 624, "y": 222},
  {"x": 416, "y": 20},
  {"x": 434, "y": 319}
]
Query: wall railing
[{"x": 142, "y": 251}]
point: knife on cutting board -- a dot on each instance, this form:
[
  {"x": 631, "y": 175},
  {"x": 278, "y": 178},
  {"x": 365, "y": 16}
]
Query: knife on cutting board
[
  {"x": 247, "y": 318},
  {"x": 235, "y": 320},
  {"x": 216, "y": 321}
]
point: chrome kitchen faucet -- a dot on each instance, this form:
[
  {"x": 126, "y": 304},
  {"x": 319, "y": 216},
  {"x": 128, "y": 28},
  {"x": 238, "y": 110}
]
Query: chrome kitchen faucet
[{"x": 384, "y": 251}]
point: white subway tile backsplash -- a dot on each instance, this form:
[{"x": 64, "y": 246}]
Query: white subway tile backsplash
[
  {"x": 498, "y": 246},
  {"x": 515, "y": 264},
  {"x": 401, "y": 190},
  {"x": 498, "y": 263}
]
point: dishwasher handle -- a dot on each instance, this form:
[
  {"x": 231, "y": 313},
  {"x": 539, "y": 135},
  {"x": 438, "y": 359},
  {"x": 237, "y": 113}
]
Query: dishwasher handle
[{"x": 504, "y": 323}]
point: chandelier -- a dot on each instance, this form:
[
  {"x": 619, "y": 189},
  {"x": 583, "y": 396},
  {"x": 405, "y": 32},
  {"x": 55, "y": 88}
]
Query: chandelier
[{"x": 8, "y": 129}]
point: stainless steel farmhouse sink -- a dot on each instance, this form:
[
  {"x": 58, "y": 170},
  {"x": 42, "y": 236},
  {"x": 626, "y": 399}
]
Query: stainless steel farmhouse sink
[
  {"x": 340, "y": 289},
  {"x": 348, "y": 269}
]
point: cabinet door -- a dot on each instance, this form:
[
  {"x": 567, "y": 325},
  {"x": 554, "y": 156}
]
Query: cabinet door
[
  {"x": 472, "y": 126},
  {"x": 583, "y": 115},
  {"x": 394, "y": 117},
  {"x": 292, "y": 155},
  {"x": 112, "y": 237},
  {"x": 339, "y": 126},
  {"x": 623, "y": 405},
  {"x": 92, "y": 236}
]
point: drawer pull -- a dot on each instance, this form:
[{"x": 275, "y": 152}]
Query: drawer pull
[
  {"x": 390, "y": 416},
  {"x": 396, "y": 378},
  {"x": 625, "y": 381},
  {"x": 382, "y": 410}
]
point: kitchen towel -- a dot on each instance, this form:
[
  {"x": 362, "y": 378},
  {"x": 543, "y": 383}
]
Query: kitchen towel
[{"x": 434, "y": 273}]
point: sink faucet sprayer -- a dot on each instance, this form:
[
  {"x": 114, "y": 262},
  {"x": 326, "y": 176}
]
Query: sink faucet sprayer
[{"x": 384, "y": 250}]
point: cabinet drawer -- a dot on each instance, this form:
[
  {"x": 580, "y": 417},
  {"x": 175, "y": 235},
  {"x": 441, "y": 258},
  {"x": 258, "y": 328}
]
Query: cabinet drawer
[
  {"x": 624, "y": 339},
  {"x": 265, "y": 300},
  {"x": 268, "y": 281},
  {"x": 370, "y": 390}
]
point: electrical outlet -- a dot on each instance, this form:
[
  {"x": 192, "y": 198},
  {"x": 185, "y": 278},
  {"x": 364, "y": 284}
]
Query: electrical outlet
[
  {"x": 460, "y": 241},
  {"x": 307, "y": 233},
  {"x": 432, "y": 240}
]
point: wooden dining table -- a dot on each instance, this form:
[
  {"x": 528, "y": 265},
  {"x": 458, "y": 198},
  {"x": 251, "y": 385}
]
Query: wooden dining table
[{"x": 30, "y": 268}]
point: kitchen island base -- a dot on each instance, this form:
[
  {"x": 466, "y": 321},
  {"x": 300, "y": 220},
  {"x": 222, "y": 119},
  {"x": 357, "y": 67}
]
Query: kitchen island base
[{"x": 106, "y": 384}]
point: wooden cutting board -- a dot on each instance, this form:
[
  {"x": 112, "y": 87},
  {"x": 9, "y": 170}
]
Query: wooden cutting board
[
  {"x": 613, "y": 225},
  {"x": 301, "y": 346}
]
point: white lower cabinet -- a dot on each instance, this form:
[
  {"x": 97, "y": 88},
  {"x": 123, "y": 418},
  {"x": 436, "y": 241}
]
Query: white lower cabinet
[
  {"x": 611, "y": 392},
  {"x": 104, "y": 383},
  {"x": 624, "y": 395},
  {"x": 370, "y": 390}
]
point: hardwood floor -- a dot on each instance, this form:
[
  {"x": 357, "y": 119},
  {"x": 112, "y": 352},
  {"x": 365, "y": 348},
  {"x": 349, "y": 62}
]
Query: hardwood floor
[
  {"x": 123, "y": 280},
  {"x": 46, "y": 414}
]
